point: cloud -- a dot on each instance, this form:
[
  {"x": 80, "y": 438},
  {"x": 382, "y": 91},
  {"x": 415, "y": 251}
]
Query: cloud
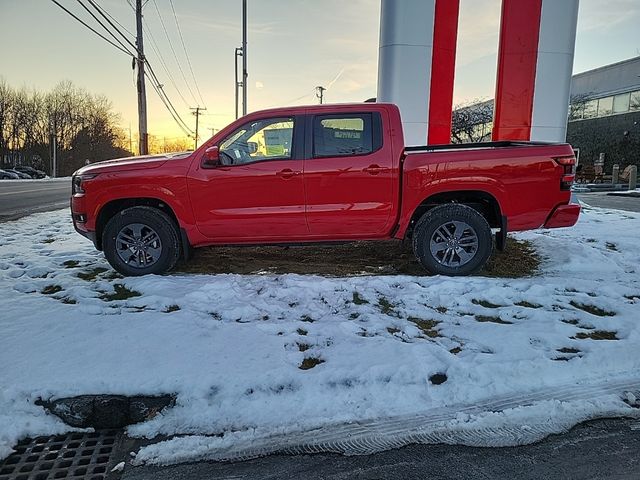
[{"x": 259, "y": 85}]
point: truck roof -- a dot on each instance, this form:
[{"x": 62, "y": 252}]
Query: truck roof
[{"x": 325, "y": 108}]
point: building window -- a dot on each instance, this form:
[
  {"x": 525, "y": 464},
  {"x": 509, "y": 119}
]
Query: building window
[
  {"x": 590, "y": 109},
  {"x": 634, "y": 102},
  {"x": 621, "y": 103},
  {"x": 605, "y": 106}
]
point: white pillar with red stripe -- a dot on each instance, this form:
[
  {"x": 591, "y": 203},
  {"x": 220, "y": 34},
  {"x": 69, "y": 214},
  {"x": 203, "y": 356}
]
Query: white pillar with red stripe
[{"x": 535, "y": 62}]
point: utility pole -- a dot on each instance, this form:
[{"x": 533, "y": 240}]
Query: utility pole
[
  {"x": 197, "y": 113},
  {"x": 244, "y": 57},
  {"x": 142, "y": 93},
  {"x": 320, "y": 93},
  {"x": 238, "y": 83}
]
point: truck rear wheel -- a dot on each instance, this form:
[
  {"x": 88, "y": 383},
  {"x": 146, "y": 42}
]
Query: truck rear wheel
[
  {"x": 140, "y": 241},
  {"x": 453, "y": 240}
]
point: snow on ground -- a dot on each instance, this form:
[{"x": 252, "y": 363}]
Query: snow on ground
[{"x": 232, "y": 346}]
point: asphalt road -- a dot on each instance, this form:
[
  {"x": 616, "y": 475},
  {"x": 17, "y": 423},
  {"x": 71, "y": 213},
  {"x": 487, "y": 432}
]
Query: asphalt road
[
  {"x": 19, "y": 198},
  {"x": 602, "y": 449},
  {"x": 604, "y": 200}
]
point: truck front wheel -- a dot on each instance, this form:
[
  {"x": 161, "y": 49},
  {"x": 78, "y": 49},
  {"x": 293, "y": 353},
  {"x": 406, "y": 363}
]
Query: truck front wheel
[
  {"x": 141, "y": 240},
  {"x": 452, "y": 239}
]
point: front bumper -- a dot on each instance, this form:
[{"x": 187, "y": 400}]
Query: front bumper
[
  {"x": 563, "y": 216},
  {"x": 77, "y": 216}
]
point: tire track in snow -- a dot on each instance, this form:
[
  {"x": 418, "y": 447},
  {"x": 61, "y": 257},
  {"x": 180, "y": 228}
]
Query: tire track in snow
[{"x": 372, "y": 436}]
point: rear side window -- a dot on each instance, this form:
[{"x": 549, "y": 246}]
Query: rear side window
[{"x": 342, "y": 135}]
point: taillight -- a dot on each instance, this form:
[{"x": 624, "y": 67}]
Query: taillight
[{"x": 568, "y": 165}]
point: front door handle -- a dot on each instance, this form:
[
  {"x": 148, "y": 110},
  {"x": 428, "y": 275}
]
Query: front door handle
[
  {"x": 374, "y": 169},
  {"x": 287, "y": 173}
]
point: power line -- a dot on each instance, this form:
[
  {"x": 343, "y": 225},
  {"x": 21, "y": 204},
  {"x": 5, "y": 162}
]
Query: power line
[
  {"x": 167, "y": 102},
  {"x": 156, "y": 49},
  {"x": 106, "y": 28},
  {"x": 106, "y": 16},
  {"x": 124, "y": 50},
  {"x": 175, "y": 56},
  {"x": 185, "y": 52}
]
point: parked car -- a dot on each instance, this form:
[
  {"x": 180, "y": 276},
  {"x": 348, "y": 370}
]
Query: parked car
[
  {"x": 21, "y": 175},
  {"x": 32, "y": 172},
  {"x": 8, "y": 175},
  {"x": 323, "y": 173}
]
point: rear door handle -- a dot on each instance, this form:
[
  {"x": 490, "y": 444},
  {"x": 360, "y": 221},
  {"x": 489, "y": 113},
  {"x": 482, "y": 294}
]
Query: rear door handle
[
  {"x": 287, "y": 173},
  {"x": 374, "y": 169}
]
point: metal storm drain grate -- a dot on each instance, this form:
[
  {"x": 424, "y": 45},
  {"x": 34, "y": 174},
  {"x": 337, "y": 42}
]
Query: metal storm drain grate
[{"x": 73, "y": 456}]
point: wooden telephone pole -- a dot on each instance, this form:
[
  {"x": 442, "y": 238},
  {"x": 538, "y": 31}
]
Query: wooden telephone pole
[
  {"x": 142, "y": 93},
  {"x": 197, "y": 112}
]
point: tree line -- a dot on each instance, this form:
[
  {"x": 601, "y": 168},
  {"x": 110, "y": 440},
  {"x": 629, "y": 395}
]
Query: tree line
[{"x": 84, "y": 125}]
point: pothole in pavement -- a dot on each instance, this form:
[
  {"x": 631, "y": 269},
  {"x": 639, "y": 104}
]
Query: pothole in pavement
[{"x": 90, "y": 456}]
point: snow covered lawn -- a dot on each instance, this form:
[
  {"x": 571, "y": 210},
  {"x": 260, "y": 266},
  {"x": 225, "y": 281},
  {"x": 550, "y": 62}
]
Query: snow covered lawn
[{"x": 259, "y": 357}]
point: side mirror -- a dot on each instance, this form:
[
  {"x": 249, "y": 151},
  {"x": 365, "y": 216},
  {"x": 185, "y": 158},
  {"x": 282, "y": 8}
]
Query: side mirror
[
  {"x": 252, "y": 147},
  {"x": 212, "y": 156}
]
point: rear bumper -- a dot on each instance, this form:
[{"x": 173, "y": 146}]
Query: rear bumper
[{"x": 563, "y": 216}]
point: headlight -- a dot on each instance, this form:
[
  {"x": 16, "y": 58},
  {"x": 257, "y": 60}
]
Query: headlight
[{"x": 78, "y": 180}]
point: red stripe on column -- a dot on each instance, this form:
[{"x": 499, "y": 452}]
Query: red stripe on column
[
  {"x": 443, "y": 64},
  {"x": 517, "y": 58}
]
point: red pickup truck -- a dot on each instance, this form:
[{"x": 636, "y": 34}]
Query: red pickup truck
[{"x": 326, "y": 173}]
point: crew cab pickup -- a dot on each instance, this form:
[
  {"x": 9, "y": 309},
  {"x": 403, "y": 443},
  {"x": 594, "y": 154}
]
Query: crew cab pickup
[{"x": 325, "y": 173}]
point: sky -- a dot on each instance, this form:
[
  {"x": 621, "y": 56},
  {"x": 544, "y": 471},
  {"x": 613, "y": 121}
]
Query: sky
[{"x": 293, "y": 46}]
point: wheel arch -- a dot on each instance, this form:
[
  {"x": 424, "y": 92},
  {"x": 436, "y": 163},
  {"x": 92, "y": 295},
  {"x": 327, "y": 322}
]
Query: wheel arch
[
  {"x": 484, "y": 202},
  {"x": 113, "y": 207}
]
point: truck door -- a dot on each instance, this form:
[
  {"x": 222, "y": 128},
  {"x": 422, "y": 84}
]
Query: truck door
[
  {"x": 257, "y": 191},
  {"x": 349, "y": 176}
]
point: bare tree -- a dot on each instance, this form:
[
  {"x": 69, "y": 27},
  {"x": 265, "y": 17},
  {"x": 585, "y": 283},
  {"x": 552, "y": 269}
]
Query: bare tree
[{"x": 472, "y": 121}]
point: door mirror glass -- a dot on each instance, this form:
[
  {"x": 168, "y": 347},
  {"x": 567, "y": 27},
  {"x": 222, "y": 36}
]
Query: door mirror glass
[
  {"x": 212, "y": 155},
  {"x": 252, "y": 147}
]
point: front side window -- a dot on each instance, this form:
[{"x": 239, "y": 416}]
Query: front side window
[
  {"x": 266, "y": 139},
  {"x": 335, "y": 136}
]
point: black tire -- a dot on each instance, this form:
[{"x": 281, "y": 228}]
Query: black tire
[
  {"x": 427, "y": 236},
  {"x": 166, "y": 247}
]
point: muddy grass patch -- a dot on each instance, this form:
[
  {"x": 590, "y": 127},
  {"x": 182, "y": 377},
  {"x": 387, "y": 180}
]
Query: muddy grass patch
[
  {"x": 70, "y": 264},
  {"x": 120, "y": 292},
  {"x": 426, "y": 326},
  {"x": 358, "y": 299},
  {"x": 491, "y": 319},
  {"x": 359, "y": 258},
  {"x": 597, "y": 335},
  {"x": 526, "y": 304},
  {"x": 592, "y": 309},
  {"x": 91, "y": 275},
  {"x": 387, "y": 307},
  {"x": 485, "y": 303},
  {"x": 51, "y": 289},
  {"x": 171, "y": 308},
  {"x": 310, "y": 362}
]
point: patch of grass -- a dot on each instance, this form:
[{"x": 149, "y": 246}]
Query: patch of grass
[
  {"x": 70, "y": 264},
  {"x": 441, "y": 309},
  {"x": 518, "y": 260},
  {"x": 310, "y": 362},
  {"x": 455, "y": 350},
  {"x": 216, "y": 315},
  {"x": 265, "y": 317},
  {"x": 387, "y": 307},
  {"x": 485, "y": 303},
  {"x": 293, "y": 304},
  {"x": 427, "y": 326},
  {"x": 120, "y": 292},
  {"x": 526, "y": 304},
  {"x": 491, "y": 319},
  {"x": 68, "y": 301},
  {"x": 171, "y": 308},
  {"x": 301, "y": 331},
  {"x": 306, "y": 318},
  {"x": 438, "y": 378},
  {"x": 91, "y": 274},
  {"x": 592, "y": 309},
  {"x": 632, "y": 297},
  {"x": 303, "y": 347},
  {"x": 393, "y": 330},
  {"x": 49, "y": 240},
  {"x": 113, "y": 275},
  {"x": 570, "y": 321},
  {"x": 597, "y": 335},
  {"x": 591, "y": 240},
  {"x": 568, "y": 350},
  {"x": 51, "y": 289},
  {"x": 354, "y": 315},
  {"x": 611, "y": 246},
  {"x": 358, "y": 300}
]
